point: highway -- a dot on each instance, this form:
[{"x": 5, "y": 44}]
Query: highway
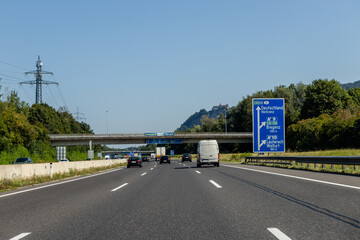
[{"x": 181, "y": 201}]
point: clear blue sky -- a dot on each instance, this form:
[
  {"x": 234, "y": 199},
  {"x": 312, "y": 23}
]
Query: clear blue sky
[{"x": 151, "y": 64}]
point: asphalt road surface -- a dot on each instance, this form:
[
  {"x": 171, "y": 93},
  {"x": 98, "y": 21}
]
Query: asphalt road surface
[{"x": 181, "y": 201}]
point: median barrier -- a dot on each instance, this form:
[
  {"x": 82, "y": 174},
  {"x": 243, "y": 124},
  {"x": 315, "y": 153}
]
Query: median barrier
[{"x": 19, "y": 171}]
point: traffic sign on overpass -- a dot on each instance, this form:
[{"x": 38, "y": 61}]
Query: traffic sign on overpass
[
  {"x": 164, "y": 141},
  {"x": 268, "y": 125}
]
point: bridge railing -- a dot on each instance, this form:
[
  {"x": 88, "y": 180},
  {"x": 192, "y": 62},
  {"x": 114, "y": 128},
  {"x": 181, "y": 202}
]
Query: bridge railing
[{"x": 296, "y": 160}]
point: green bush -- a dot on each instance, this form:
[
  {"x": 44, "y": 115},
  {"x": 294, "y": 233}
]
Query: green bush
[{"x": 7, "y": 157}]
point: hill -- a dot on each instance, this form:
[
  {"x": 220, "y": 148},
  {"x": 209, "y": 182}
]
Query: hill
[
  {"x": 194, "y": 119},
  {"x": 348, "y": 86}
]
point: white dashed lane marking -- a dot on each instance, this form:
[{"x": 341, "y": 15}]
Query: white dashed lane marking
[
  {"x": 20, "y": 236},
  {"x": 278, "y": 234},
  {"x": 119, "y": 187},
  {"x": 215, "y": 184}
]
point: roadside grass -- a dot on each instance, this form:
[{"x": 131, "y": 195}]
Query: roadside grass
[
  {"x": 7, "y": 184},
  {"x": 328, "y": 168}
]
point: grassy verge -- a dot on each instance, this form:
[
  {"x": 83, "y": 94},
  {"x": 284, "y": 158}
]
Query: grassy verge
[
  {"x": 6, "y": 184},
  {"x": 351, "y": 170}
]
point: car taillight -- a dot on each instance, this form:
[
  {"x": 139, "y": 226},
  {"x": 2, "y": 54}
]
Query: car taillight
[
  {"x": 219, "y": 156},
  {"x": 139, "y": 160},
  {"x": 199, "y": 156}
]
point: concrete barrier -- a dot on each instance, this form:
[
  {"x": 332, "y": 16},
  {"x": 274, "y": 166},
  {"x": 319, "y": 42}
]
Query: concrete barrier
[{"x": 19, "y": 171}]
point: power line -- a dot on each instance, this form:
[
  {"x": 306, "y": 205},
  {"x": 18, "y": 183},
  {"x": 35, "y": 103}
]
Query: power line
[
  {"x": 17, "y": 49},
  {"x": 52, "y": 95},
  {"x": 13, "y": 65},
  {"x": 2, "y": 70},
  {"x": 26, "y": 93},
  {"x": 38, "y": 73},
  {"x": 10, "y": 77},
  {"x": 62, "y": 97}
]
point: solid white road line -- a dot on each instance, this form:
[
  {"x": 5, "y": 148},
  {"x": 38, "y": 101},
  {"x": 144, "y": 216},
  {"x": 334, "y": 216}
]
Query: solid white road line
[
  {"x": 59, "y": 183},
  {"x": 278, "y": 234},
  {"x": 119, "y": 187},
  {"x": 290, "y": 176},
  {"x": 20, "y": 236},
  {"x": 143, "y": 174},
  {"x": 198, "y": 172},
  {"x": 215, "y": 184}
]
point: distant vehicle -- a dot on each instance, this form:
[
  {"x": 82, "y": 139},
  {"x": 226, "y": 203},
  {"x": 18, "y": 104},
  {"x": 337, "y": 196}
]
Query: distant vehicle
[
  {"x": 145, "y": 158},
  {"x": 186, "y": 157},
  {"x": 164, "y": 159},
  {"x": 134, "y": 161},
  {"x": 208, "y": 153},
  {"x": 160, "y": 151},
  {"x": 107, "y": 157},
  {"x": 153, "y": 156},
  {"x": 22, "y": 160},
  {"x": 116, "y": 156},
  {"x": 64, "y": 160}
]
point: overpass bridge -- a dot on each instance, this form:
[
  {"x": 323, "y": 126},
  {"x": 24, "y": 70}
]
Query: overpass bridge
[{"x": 176, "y": 138}]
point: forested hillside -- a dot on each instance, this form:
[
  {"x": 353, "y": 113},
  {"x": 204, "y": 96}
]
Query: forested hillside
[
  {"x": 24, "y": 129},
  {"x": 347, "y": 86},
  {"x": 322, "y": 115},
  {"x": 195, "y": 119}
]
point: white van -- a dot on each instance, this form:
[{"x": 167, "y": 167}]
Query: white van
[{"x": 208, "y": 153}]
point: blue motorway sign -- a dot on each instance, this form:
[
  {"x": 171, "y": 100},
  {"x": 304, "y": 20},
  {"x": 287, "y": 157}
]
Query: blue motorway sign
[
  {"x": 268, "y": 125},
  {"x": 164, "y": 141},
  {"x": 172, "y": 153},
  {"x": 159, "y": 134},
  {"x": 131, "y": 153}
]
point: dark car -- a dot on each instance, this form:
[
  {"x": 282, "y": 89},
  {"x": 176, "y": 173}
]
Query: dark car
[
  {"x": 145, "y": 158},
  {"x": 22, "y": 160},
  {"x": 134, "y": 161},
  {"x": 164, "y": 159},
  {"x": 186, "y": 157}
]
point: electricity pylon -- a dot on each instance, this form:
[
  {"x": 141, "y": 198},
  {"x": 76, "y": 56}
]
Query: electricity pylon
[
  {"x": 38, "y": 73},
  {"x": 78, "y": 115}
]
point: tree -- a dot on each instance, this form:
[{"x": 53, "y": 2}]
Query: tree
[
  {"x": 324, "y": 97},
  {"x": 240, "y": 117},
  {"x": 294, "y": 97},
  {"x": 355, "y": 96}
]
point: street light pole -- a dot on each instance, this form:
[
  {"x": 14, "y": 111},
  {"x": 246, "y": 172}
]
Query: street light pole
[
  {"x": 225, "y": 123},
  {"x": 107, "y": 122}
]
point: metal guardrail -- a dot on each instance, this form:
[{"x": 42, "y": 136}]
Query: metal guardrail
[{"x": 294, "y": 160}]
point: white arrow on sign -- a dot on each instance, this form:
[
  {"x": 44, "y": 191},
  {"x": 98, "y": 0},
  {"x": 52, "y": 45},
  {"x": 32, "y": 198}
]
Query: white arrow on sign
[
  {"x": 260, "y": 126},
  {"x": 262, "y": 143}
]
